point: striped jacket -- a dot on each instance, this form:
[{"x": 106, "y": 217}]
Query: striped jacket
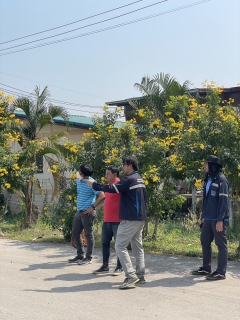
[
  {"x": 133, "y": 196},
  {"x": 216, "y": 201}
]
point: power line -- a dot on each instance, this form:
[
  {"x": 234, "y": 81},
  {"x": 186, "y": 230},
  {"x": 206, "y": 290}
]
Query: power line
[
  {"x": 87, "y": 94},
  {"x": 54, "y": 100},
  {"x": 89, "y": 25},
  {"x": 68, "y": 24},
  {"x": 17, "y": 93},
  {"x": 108, "y": 28}
]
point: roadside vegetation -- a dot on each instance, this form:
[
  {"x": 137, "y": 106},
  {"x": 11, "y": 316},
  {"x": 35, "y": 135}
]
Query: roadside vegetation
[
  {"x": 179, "y": 237},
  {"x": 169, "y": 130}
]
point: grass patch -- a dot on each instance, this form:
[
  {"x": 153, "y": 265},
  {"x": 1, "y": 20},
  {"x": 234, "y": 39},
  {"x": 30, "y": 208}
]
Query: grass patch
[
  {"x": 173, "y": 237},
  {"x": 11, "y": 228},
  {"x": 183, "y": 238}
]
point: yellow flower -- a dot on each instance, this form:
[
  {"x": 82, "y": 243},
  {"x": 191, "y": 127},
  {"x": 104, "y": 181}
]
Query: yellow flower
[
  {"x": 168, "y": 113},
  {"x": 63, "y": 220},
  {"x": 198, "y": 183},
  {"x": 73, "y": 176},
  {"x": 146, "y": 182},
  {"x": 173, "y": 158},
  {"x": 202, "y": 146},
  {"x": 155, "y": 179},
  {"x": 141, "y": 113},
  {"x": 69, "y": 197},
  {"x": 74, "y": 208},
  {"x": 8, "y": 185}
]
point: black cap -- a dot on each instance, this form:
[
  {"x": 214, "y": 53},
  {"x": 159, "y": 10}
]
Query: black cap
[{"x": 213, "y": 159}]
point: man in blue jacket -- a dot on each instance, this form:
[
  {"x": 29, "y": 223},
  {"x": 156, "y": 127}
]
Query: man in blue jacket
[
  {"x": 215, "y": 214},
  {"x": 133, "y": 216}
]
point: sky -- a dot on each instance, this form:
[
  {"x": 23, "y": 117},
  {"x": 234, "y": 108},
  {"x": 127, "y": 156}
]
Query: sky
[{"x": 189, "y": 39}]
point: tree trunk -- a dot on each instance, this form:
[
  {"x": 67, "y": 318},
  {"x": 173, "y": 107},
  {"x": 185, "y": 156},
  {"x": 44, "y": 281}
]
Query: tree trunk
[
  {"x": 238, "y": 220},
  {"x": 29, "y": 205},
  {"x": 154, "y": 235},
  {"x": 146, "y": 229},
  {"x": 194, "y": 200}
]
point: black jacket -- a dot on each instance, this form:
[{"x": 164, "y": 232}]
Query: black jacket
[
  {"x": 216, "y": 201},
  {"x": 133, "y": 196}
]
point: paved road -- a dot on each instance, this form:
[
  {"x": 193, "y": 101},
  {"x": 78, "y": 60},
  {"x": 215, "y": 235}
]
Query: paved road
[{"x": 38, "y": 283}]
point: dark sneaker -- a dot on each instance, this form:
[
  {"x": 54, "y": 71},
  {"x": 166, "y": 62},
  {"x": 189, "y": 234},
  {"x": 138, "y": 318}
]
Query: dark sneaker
[
  {"x": 117, "y": 272},
  {"x": 76, "y": 259},
  {"x": 141, "y": 280},
  {"x": 216, "y": 276},
  {"x": 200, "y": 272},
  {"x": 101, "y": 270},
  {"x": 84, "y": 261},
  {"x": 128, "y": 282}
]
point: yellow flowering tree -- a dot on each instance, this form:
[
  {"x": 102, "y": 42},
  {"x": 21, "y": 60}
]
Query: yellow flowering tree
[
  {"x": 206, "y": 127},
  {"x": 13, "y": 170},
  {"x": 38, "y": 113},
  {"x": 110, "y": 141}
]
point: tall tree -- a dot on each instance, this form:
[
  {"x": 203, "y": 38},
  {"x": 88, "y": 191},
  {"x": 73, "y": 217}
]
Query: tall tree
[{"x": 39, "y": 112}]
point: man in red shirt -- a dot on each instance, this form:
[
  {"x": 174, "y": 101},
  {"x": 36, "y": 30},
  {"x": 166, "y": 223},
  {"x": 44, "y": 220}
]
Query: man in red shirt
[{"x": 110, "y": 222}]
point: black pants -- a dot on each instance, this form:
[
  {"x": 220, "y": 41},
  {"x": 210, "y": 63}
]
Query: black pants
[
  {"x": 84, "y": 222},
  {"x": 109, "y": 230},
  {"x": 208, "y": 234}
]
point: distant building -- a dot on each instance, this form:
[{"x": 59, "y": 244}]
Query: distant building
[{"x": 227, "y": 93}]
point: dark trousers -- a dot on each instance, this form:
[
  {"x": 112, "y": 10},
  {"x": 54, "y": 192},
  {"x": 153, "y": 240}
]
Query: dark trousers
[
  {"x": 109, "y": 230},
  {"x": 84, "y": 222},
  {"x": 208, "y": 234}
]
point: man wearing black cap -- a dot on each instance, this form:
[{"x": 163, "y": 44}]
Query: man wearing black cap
[{"x": 215, "y": 214}]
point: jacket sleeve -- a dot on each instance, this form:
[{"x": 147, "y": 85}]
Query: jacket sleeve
[
  {"x": 121, "y": 186},
  {"x": 223, "y": 200}
]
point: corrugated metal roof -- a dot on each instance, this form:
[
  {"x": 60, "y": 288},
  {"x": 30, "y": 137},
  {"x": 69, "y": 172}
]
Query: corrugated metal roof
[
  {"x": 121, "y": 103},
  {"x": 78, "y": 121}
]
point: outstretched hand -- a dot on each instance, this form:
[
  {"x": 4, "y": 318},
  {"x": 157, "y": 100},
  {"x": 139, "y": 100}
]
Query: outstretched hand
[{"x": 89, "y": 182}]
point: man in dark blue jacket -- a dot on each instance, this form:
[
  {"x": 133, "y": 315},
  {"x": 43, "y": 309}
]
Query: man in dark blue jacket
[
  {"x": 133, "y": 215},
  {"x": 215, "y": 214}
]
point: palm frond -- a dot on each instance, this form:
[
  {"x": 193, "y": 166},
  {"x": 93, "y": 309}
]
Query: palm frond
[{"x": 57, "y": 111}]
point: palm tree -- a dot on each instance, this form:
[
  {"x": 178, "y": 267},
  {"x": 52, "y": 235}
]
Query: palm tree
[
  {"x": 157, "y": 90},
  {"x": 39, "y": 112}
]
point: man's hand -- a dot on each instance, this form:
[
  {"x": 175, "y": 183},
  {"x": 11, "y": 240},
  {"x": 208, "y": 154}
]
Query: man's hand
[
  {"x": 219, "y": 226},
  {"x": 89, "y": 182},
  {"x": 88, "y": 211}
]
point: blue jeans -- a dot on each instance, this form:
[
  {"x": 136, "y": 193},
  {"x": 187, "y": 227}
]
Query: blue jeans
[{"x": 109, "y": 230}]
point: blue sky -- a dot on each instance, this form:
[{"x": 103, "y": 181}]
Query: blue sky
[{"x": 196, "y": 43}]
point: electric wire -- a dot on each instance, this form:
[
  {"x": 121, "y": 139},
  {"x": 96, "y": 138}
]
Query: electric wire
[
  {"x": 68, "y": 24},
  {"x": 108, "y": 28},
  {"x": 51, "y": 85},
  {"x": 52, "y": 99},
  {"x": 83, "y": 27},
  {"x": 91, "y": 112}
]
